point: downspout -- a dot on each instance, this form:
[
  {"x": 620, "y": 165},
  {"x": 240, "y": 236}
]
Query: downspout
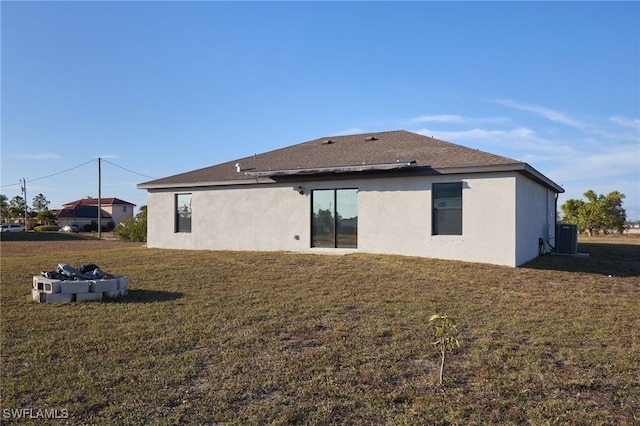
[{"x": 555, "y": 221}]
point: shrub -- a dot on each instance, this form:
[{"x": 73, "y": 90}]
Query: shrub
[
  {"x": 46, "y": 228},
  {"x": 133, "y": 228}
]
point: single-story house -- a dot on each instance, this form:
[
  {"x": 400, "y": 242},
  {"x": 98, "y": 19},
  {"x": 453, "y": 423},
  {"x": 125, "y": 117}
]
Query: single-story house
[
  {"x": 392, "y": 192},
  {"x": 85, "y": 212}
]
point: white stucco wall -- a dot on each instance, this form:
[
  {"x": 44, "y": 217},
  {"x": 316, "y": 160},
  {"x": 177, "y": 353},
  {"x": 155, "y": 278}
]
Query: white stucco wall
[
  {"x": 394, "y": 216},
  {"x": 535, "y": 218},
  {"x": 256, "y": 217}
]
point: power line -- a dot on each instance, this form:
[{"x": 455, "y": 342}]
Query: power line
[
  {"x": 64, "y": 171},
  {"x": 51, "y": 175},
  {"x": 76, "y": 167},
  {"x": 130, "y": 171}
]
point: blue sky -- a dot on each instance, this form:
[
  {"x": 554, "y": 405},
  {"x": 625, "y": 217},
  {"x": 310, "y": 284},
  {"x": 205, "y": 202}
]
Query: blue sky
[{"x": 160, "y": 88}]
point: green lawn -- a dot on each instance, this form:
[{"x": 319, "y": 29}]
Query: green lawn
[{"x": 277, "y": 338}]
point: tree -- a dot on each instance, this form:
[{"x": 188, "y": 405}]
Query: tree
[
  {"x": 445, "y": 333},
  {"x": 40, "y": 203},
  {"x": 4, "y": 208},
  {"x": 47, "y": 217},
  {"x": 599, "y": 213},
  {"x": 17, "y": 206}
]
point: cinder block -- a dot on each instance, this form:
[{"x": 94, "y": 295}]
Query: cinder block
[
  {"x": 48, "y": 285},
  {"x": 101, "y": 286},
  {"x": 123, "y": 283},
  {"x": 87, "y": 297},
  {"x": 75, "y": 287},
  {"x": 38, "y": 295},
  {"x": 113, "y": 294},
  {"x": 60, "y": 297}
]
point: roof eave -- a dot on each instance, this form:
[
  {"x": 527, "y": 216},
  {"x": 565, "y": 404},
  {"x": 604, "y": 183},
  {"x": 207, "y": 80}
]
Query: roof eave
[
  {"x": 244, "y": 180},
  {"x": 272, "y": 176},
  {"x": 522, "y": 168}
]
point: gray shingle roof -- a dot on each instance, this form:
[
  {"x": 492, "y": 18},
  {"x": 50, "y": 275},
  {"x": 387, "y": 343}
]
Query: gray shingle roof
[{"x": 353, "y": 150}]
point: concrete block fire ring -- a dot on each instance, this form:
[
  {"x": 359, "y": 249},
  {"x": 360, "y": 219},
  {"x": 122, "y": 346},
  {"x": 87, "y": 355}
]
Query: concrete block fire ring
[
  {"x": 64, "y": 291},
  {"x": 114, "y": 294},
  {"x": 88, "y": 297},
  {"x": 46, "y": 285},
  {"x": 123, "y": 283},
  {"x": 74, "y": 287},
  {"x": 101, "y": 286},
  {"x": 60, "y": 297},
  {"x": 38, "y": 295}
]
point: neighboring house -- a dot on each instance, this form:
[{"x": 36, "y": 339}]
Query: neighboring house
[
  {"x": 83, "y": 216},
  {"x": 85, "y": 212},
  {"x": 390, "y": 192}
]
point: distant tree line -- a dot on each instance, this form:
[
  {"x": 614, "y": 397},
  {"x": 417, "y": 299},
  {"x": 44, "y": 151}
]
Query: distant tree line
[
  {"x": 17, "y": 206},
  {"x": 597, "y": 214}
]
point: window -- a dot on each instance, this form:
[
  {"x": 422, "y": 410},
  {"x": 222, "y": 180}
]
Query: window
[
  {"x": 447, "y": 208},
  {"x": 334, "y": 221},
  {"x": 183, "y": 212}
]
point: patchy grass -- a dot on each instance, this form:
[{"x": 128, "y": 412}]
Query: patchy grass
[{"x": 276, "y": 338}]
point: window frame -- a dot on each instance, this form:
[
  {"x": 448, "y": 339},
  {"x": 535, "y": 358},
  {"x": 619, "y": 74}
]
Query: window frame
[
  {"x": 455, "y": 212},
  {"x": 338, "y": 238},
  {"x": 180, "y": 227}
]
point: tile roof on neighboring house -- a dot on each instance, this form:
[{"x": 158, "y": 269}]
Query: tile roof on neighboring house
[
  {"x": 94, "y": 202},
  {"x": 81, "y": 212},
  {"x": 370, "y": 152}
]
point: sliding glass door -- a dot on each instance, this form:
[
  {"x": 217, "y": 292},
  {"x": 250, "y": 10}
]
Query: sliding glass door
[{"x": 334, "y": 221}]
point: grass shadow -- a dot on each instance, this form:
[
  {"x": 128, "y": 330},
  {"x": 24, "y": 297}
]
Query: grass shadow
[
  {"x": 146, "y": 296},
  {"x": 619, "y": 260},
  {"x": 45, "y": 236}
]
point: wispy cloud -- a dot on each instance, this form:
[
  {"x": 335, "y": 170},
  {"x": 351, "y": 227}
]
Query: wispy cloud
[
  {"x": 633, "y": 123},
  {"x": 602, "y": 154},
  {"x": 352, "y": 131},
  {"x": 39, "y": 156},
  {"x": 458, "y": 119},
  {"x": 444, "y": 118},
  {"x": 549, "y": 114},
  {"x": 518, "y": 141},
  {"x": 481, "y": 134}
]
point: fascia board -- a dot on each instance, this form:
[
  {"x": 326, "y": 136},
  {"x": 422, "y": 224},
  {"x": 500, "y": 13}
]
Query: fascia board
[
  {"x": 522, "y": 168},
  {"x": 244, "y": 181},
  {"x": 401, "y": 168}
]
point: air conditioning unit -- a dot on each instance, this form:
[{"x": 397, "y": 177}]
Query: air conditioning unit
[{"x": 566, "y": 238}]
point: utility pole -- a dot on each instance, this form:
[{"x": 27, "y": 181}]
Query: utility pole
[
  {"x": 99, "y": 200},
  {"x": 24, "y": 191}
]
